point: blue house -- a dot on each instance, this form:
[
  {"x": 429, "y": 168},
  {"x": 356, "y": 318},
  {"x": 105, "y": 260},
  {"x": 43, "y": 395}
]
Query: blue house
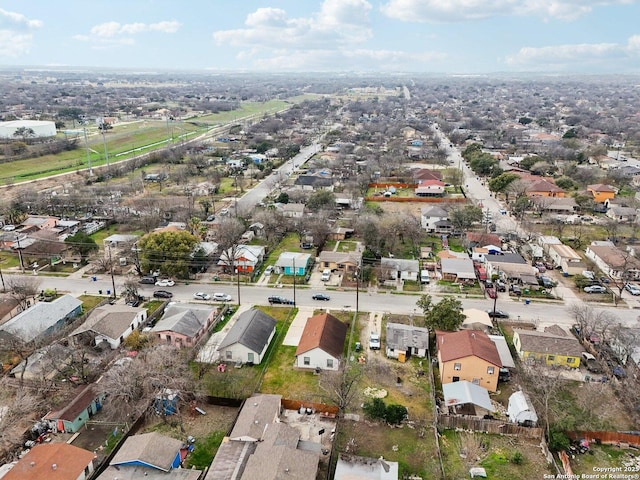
[
  {"x": 148, "y": 451},
  {"x": 290, "y": 263},
  {"x": 43, "y": 319},
  {"x": 74, "y": 415}
]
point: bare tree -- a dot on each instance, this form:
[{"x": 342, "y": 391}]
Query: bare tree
[
  {"x": 228, "y": 236},
  {"x": 22, "y": 408},
  {"x": 148, "y": 381},
  {"x": 22, "y": 289},
  {"x": 340, "y": 386},
  {"x": 590, "y": 321}
]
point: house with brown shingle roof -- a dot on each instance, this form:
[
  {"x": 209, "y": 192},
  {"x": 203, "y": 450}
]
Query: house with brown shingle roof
[
  {"x": 53, "y": 461},
  {"x": 74, "y": 414},
  {"x": 544, "y": 188},
  {"x": 322, "y": 343},
  {"x": 468, "y": 355},
  {"x": 616, "y": 263},
  {"x": 601, "y": 192},
  {"x": 552, "y": 347}
]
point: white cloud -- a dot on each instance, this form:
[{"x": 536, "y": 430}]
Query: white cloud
[
  {"x": 577, "y": 56},
  {"x": 465, "y": 10},
  {"x": 14, "y": 21},
  {"x": 338, "y": 23},
  {"x": 112, "y": 29},
  {"x": 15, "y": 33}
]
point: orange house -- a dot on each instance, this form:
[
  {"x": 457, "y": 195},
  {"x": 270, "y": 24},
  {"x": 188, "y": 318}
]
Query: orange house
[
  {"x": 544, "y": 188},
  {"x": 601, "y": 192},
  {"x": 468, "y": 355}
]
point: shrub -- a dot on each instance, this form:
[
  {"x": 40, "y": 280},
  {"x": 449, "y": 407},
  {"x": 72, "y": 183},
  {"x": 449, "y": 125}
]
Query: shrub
[
  {"x": 517, "y": 458},
  {"x": 395, "y": 414},
  {"x": 375, "y": 408}
]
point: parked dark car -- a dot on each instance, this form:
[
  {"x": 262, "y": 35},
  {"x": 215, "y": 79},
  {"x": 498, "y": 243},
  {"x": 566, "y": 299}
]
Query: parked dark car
[
  {"x": 321, "y": 296},
  {"x": 515, "y": 289},
  {"x": 500, "y": 286},
  {"x": 546, "y": 282},
  {"x": 497, "y": 314},
  {"x": 280, "y": 301},
  {"x": 162, "y": 294},
  {"x": 148, "y": 280}
]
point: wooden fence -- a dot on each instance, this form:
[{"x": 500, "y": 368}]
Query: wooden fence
[
  {"x": 318, "y": 407},
  {"x": 489, "y": 426},
  {"x": 417, "y": 199},
  {"x": 608, "y": 438}
]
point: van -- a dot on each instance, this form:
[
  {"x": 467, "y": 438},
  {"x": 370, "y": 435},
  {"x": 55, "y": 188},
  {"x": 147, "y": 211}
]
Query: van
[
  {"x": 424, "y": 276},
  {"x": 148, "y": 280},
  {"x": 326, "y": 275}
]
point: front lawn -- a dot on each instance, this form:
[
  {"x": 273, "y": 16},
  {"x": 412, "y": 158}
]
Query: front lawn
[{"x": 89, "y": 302}]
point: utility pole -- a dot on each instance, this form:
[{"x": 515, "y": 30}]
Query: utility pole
[
  {"x": 113, "y": 282},
  {"x": 4, "y": 288},
  {"x": 238, "y": 281},
  {"x": 86, "y": 144},
  {"x": 104, "y": 142},
  {"x": 20, "y": 253},
  {"x": 294, "y": 281}
]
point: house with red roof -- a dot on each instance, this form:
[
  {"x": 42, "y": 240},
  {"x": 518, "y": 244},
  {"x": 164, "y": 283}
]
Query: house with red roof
[
  {"x": 468, "y": 355},
  {"x": 53, "y": 461},
  {"x": 322, "y": 343}
]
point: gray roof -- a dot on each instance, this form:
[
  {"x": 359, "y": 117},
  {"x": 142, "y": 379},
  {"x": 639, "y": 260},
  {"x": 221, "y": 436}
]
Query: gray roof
[
  {"x": 121, "y": 238},
  {"x": 36, "y": 320},
  {"x": 401, "y": 264},
  {"x": 257, "y": 412},
  {"x": 459, "y": 393},
  {"x": 154, "y": 449},
  {"x": 232, "y": 456},
  {"x": 184, "y": 319},
  {"x": 434, "y": 212},
  {"x": 279, "y": 456},
  {"x": 548, "y": 343},
  {"x": 503, "y": 351},
  {"x": 401, "y": 336},
  {"x": 109, "y": 320},
  {"x": 462, "y": 267},
  {"x": 286, "y": 259},
  {"x": 252, "y": 329},
  {"x": 508, "y": 257},
  {"x": 136, "y": 472}
]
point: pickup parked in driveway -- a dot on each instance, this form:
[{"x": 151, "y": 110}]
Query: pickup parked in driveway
[{"x": 374, "y": 341}]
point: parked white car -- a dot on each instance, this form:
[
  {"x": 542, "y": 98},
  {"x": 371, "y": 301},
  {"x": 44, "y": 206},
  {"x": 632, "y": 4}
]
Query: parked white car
[
  {"x": 201, "y": 296},
  {"x": 222, "y": 297},
  {"x": 374, "y": 341},
  {"x": 165, "y": 282}
]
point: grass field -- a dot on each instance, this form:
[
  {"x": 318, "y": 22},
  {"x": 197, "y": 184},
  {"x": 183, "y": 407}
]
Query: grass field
[{"x": 127, "y": 140}]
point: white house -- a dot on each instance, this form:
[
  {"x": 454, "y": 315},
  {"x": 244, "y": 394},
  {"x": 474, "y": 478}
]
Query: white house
[
  {"x": 566, "y": 257},
  {"x": 249, "y": 338},
  {"x": 112, "y": 324},
  {"x": 400, "y": 269},
  {"x": 245, "y": 257},
  {"x": 407, "y": 339},
  {"x": 434, "y": 219},
  {"x": 322, "y": 343},
  {"x": 612, "y": 261}
]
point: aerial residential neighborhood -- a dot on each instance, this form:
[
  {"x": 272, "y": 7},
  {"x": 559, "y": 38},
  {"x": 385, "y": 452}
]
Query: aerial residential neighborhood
[{"x": 283, "y": 277}]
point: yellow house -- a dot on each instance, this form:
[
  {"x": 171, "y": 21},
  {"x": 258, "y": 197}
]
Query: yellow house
[
  {"x": 601, "y": 192},
  {"x": 468, "y": 355},
  {"x": 550, "y": 348}
]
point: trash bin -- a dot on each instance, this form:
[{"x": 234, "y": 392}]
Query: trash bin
[
  {"x": 108, "y": 292},
  {"x": 94, "y": 279},
  {"x": 99, "y": 292},
  {"x": 527, "y": 301}
]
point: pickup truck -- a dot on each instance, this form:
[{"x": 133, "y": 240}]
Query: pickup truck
[{"x": 374, "y": 341}]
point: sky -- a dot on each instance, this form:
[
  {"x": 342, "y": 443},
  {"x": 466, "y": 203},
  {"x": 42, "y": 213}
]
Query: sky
[{"x": 467, "y": 37}]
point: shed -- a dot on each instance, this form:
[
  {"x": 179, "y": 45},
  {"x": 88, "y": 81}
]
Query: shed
[
  {"x": 406, "y": 339},
  {"x": 520, "y": 409}
]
